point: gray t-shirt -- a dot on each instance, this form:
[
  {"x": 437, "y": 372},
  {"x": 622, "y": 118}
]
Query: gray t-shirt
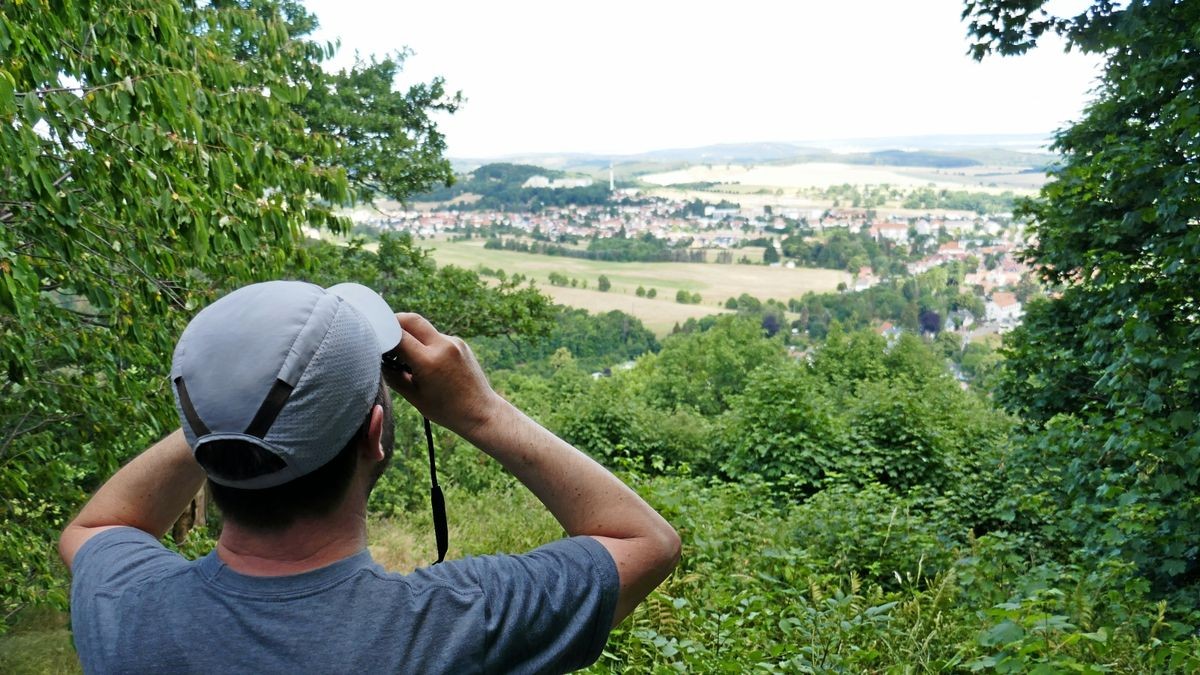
[{"x": 137, "y": 607}]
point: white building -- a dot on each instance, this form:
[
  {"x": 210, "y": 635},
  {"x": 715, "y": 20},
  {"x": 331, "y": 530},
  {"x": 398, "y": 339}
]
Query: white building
[
  {"x": 1004, "y": 308},
  {"x": 895, "y": 232}
]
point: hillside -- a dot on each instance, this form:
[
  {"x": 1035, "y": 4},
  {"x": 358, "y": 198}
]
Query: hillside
[{"x": 504, "y": 186}]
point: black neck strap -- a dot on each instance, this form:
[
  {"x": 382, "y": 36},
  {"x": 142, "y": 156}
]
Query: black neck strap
[{"x": 440, "y": 530}]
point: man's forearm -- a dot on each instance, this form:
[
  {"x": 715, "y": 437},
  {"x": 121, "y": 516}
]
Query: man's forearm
[
  {"x": 586, "y": 499},
  {"x": 583, "y": 496},
  {"x": 149, "y": 493}
]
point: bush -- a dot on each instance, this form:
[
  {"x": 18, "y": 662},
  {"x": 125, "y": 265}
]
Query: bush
[
  {"x": 872, "y": 531},
  {"x": 614, "y": 425},
  {"x": 784, "y": 428}
]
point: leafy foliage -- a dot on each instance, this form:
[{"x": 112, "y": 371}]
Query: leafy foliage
[
  {"x": 389, "y": 146},
  {"x": 156, "y": 154},
  {"x": 1115, "y": 359},
  {"x": 596, "y": 341},
  {"x": 784, "y": 427},
  {"x": 903, "y": 301},
  {"x": 701, "y": 371},
  {"x": 501, "y": 186}
]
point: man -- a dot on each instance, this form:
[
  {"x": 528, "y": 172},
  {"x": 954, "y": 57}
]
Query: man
[{"x": 280, "y": 392}]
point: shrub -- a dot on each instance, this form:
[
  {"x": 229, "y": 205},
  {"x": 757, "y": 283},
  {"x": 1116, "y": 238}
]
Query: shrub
[
  {"x": 872, "y": 531},
  {"x": 784, "y": 428}
]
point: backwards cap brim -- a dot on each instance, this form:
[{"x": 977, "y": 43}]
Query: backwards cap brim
[{"x": 375, "y": 309}]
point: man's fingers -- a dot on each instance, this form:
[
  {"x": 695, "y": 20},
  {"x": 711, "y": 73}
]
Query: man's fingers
[
  {"x": 418, "y": 327},
  {"x": 420, "y": 334}
]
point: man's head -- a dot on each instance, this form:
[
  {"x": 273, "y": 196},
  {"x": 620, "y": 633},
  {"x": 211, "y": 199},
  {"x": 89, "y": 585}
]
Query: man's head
[
  {"x": 315, "y": 494},
  {"x": 276, "y": 385}
]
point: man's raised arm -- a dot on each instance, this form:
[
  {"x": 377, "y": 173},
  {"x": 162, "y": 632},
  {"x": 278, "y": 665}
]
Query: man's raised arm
[
  {"x": 149, "y": 493},
  {"x": 447, "y": 385}
]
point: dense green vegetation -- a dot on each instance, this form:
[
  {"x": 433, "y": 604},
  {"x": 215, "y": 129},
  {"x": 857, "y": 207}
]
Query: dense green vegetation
[
  {"x": 843, "y": 250},
  {"x": 849, "y": 507},
  {"x": 981, "y": 203},
  {"x": 1107, "y": 375},
  {"x": 919, "y": 304},
  {"x": 646, "y": 248},
  {"x": 501, "y": 187},
  {"x": 852, "y": 510}
]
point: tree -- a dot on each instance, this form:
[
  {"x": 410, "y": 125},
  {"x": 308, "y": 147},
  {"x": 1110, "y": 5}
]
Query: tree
[
  {"x": 771, "y": 324},
  {"x": 770, "y": 255},
  {"x": 652, "y": 293},
  {"x": 154, "y": 154},
  {"x": 784, "y": 428},
  {"x": 389, "y": 144},
  {"x": 603, "y": 284},
  {"x": 1108, "y": 373},
  {"x": 930, "y": 321},
  {"x": 641, "y": 291},
  {"x": 701, "y": 370}
]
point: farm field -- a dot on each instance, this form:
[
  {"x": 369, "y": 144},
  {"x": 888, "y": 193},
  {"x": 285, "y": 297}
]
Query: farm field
[
  {"x": 993, "y": 179},
  {"x": 715, "y": 283}
]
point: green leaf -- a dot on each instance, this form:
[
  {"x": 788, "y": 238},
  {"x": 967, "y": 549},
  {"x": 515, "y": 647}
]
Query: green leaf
[
  {"x": 32, "y": 108},
  {"x": 8, "y": 101},
  {"x": 1003, "y": 633}
]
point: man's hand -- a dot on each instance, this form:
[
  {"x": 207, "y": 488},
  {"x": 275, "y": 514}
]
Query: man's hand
[{"x": 444, "y": 380}]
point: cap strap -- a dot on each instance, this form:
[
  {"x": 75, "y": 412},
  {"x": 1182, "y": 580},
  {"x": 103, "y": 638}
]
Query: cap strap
[
  {"x": 189, "y": 411},
  {"x": 269, "y": 410}
]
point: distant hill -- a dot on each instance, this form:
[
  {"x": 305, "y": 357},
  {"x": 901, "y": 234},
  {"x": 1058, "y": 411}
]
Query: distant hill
[
  {"x": 500, "y": 186},
  {"x": 934, "y": 151}
]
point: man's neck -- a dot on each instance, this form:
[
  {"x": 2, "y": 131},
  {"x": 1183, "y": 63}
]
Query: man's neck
[{"x": 304, "y": 546}]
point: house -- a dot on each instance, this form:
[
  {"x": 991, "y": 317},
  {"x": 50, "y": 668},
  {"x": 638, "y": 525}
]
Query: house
[
  {"x": 953, "y": 249},
  {"x": 864, "y": 279},
  {"x": 894, "y": 232},
  {"x": 556, "y": 184},
  {"x": 1004, "y": 308},
  {"x": 888, "y": 330}
]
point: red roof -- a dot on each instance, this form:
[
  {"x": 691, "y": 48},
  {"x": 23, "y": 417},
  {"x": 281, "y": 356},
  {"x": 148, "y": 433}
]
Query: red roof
[{"x": 1003, "y": 299}]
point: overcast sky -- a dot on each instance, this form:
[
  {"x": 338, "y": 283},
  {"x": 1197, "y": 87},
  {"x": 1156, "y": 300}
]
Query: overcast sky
[{"x": 622, "y": 77}]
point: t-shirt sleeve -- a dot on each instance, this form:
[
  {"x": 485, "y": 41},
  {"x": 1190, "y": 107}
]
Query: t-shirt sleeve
[
  {"x": 119, "y": 556},
  {"x": 105, "y": 567},
  {"x": 549, "y": 610}
]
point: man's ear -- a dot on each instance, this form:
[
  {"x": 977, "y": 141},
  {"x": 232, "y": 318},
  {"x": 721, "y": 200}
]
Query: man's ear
[{"x": 371, "y": 447}]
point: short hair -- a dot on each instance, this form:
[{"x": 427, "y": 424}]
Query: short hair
[{"x": 313, "y": 495}]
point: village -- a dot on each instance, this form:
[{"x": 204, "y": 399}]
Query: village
[{"x": 925, "y": 241}]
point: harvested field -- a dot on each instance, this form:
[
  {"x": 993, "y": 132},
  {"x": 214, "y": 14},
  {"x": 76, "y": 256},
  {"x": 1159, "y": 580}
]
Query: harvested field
[
  {"x": 993, "y": 179},
  {"x": 715, "y": 283}
]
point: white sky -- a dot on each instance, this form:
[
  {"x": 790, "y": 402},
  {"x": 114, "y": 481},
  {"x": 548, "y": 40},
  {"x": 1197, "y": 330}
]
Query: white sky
[{"x": 622, "y": 77}]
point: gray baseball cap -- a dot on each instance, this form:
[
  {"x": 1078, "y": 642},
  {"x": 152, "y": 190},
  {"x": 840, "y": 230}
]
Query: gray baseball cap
[{"x": 287, "y": 366}]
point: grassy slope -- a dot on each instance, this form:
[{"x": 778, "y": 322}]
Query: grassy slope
[{"x": 39, "y": 642}]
